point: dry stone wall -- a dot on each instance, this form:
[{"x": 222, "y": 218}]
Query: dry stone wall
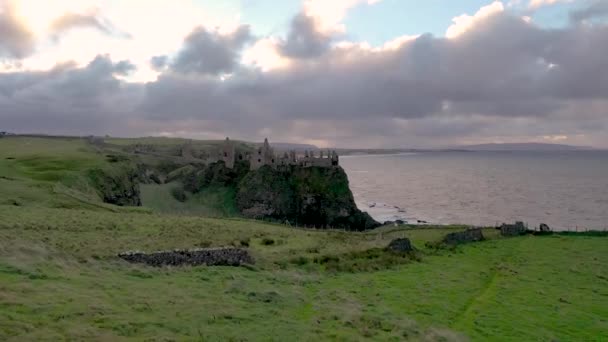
[{"x": 196, "y": 257}]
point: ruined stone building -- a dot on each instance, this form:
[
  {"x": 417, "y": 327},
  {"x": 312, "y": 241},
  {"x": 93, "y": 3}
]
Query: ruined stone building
[
  {"x": 261, "y": 156},
  {"x": 265, "y": 155},
  {"x": 227, "y": 153}
]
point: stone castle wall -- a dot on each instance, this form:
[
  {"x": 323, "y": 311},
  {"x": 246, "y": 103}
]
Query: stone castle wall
[{"x": 263, "y": 155}]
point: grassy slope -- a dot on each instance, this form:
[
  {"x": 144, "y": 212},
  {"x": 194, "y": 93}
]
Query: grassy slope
[
  {"x": 59, "y": 277},
  {"x": 31, "y": 168},
  {"x": 209, "y": 202}
]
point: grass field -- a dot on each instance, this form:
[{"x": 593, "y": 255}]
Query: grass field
[
  {"x": 60, "y": 278},
  {"x": 208, "y": 202}
]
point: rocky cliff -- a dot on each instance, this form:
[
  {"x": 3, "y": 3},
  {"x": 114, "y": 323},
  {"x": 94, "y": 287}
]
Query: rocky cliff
[
  {"x": 117, "y": 185},
  {"x": 316, "y": 197},
  {"x": 312, "y": 196}
]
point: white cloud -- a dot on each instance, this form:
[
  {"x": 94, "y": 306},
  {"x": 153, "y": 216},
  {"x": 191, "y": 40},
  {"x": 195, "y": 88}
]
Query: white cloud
[
  {"x": 465, "y": 22},
  {"x": 330, "y": 13},
  {"x": 39, "y": 15},
  {"x": 156, "y": 27},
  {"x": 534, "y": 4},
  {"x": 265, "y": 55}
]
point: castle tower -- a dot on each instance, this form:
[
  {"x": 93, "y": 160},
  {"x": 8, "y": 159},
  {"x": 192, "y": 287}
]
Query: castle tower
[
  {"x": 335, "y": 160},
  {"x": 292, "y": 157},
  {"x": 228, "y": 153},
  {"x": 263, "y": 156}
]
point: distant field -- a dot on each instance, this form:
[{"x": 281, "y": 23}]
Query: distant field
[
  {"x": 60, "y": 278},
  {"x": 168, "y": 142}
]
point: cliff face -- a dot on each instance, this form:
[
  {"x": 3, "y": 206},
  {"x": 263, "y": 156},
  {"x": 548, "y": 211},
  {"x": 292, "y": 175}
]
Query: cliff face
[
  {"x": 314, "y": 196},
  {"x": 118, "y": 185}
]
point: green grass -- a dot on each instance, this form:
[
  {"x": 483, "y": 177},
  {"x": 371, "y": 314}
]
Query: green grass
[
  {"x": 32, "y": 168},
  {"x": 210, "y": 202},
  {"x": 60, "y": 278},
  {"x": 166, "y": 142}
]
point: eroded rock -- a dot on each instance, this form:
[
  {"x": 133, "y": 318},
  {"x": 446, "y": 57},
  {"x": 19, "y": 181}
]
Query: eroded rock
[
  {"x": 544, "y": 228},
  {"x": 469, "y": 235},
  {"x": 403, "y": 245},
  {"x": 513, "y": 229}
]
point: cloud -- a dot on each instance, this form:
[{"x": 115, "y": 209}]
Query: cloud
[
  {"x": 265, "y": 54},
  {"x": 159, "y": 63},
  {"x": 596, "y": 9},
  {"x": 330, "y": 13},
  {"x": 211, "y": 52},
  {"x": 66, "y": 98},
  {"x": 499, "y": 78},
  {"x": 92, "y": 20},
  {"x": 312, "y": 31},
  {"x": 16, "y": 40},
  {"x": 465, "y": 22},
  {"x": 501, "y": 69},
  {"x": 535, "y": 4},
  {"x": 305, "y": 39}
]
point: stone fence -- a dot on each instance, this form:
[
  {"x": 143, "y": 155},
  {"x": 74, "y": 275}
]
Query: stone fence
[{"x": 195, "y": 257}]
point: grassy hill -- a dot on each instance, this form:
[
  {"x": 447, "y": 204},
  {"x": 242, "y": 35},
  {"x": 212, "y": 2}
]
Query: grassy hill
[{"x": 60, "y": 278}]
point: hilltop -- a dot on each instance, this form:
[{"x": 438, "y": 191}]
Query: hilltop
[
  {"x": 524, "y": 147},
  {"x": 210, "y": 178}
]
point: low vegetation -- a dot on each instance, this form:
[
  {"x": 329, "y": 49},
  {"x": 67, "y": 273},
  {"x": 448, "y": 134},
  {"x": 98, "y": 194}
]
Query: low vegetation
[{"x": 60, "y": 277}]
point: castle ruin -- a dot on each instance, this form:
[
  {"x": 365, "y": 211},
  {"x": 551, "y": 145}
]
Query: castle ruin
[
  {"x": 265, "y": 155},
  {"x": 228, "y": 153}
]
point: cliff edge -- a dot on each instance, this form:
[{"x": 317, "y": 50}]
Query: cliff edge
[{"x": 303, "y": 196}]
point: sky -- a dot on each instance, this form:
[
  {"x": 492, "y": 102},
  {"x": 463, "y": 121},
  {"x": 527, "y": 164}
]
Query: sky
[{"x": 335, "y": 73}]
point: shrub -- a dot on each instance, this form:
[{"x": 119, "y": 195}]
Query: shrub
[
  {"x": 267, "y": 241},
  {"x": 179, "y": 194},
  {"x": 300, "y": 261}
]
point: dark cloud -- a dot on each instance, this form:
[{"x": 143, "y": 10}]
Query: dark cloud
[
  {"x": 210, "y": 52},
  {"x": 596, "y": 9},
  {"x": 159, "y": 63},
  {"x": 505, "y": 77},
  {"x": 70, "y": 21},
  {"x": 16, "y": 41},
  {"x": 68, "y": 99},
  {"x": 304, "y": 40}
]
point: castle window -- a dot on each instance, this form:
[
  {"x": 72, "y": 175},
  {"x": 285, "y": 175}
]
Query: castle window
[
  {"x": 259, "y": 160},
  {"x": 240, "y": 157},
  {"x": 273, "y": 161},
  {"x": 225, "y": 154}
]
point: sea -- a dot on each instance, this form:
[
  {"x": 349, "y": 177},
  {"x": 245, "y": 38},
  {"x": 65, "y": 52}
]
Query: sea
[{"x": 568, "y": 190}]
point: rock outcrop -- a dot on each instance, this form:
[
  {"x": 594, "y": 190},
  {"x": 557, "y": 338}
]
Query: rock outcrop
[
  {"x": 516, "y": 229},
  {"x": 403, "y": 245},
  {"x": 196, "y": 257},
  {"x": 314, "y": 196},
  {"x": 467, "y": 236},
  {"x": 544, "y": 228},
  {"x": 117, "y": 185}
]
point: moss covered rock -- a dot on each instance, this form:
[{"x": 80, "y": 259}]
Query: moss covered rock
[
  {"x": 315, "y": 196},
  {"x": 117, "y": 185}
]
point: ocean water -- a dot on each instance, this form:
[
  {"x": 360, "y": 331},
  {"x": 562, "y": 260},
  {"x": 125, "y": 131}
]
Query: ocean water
[{"x": 566, "y": 190}]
